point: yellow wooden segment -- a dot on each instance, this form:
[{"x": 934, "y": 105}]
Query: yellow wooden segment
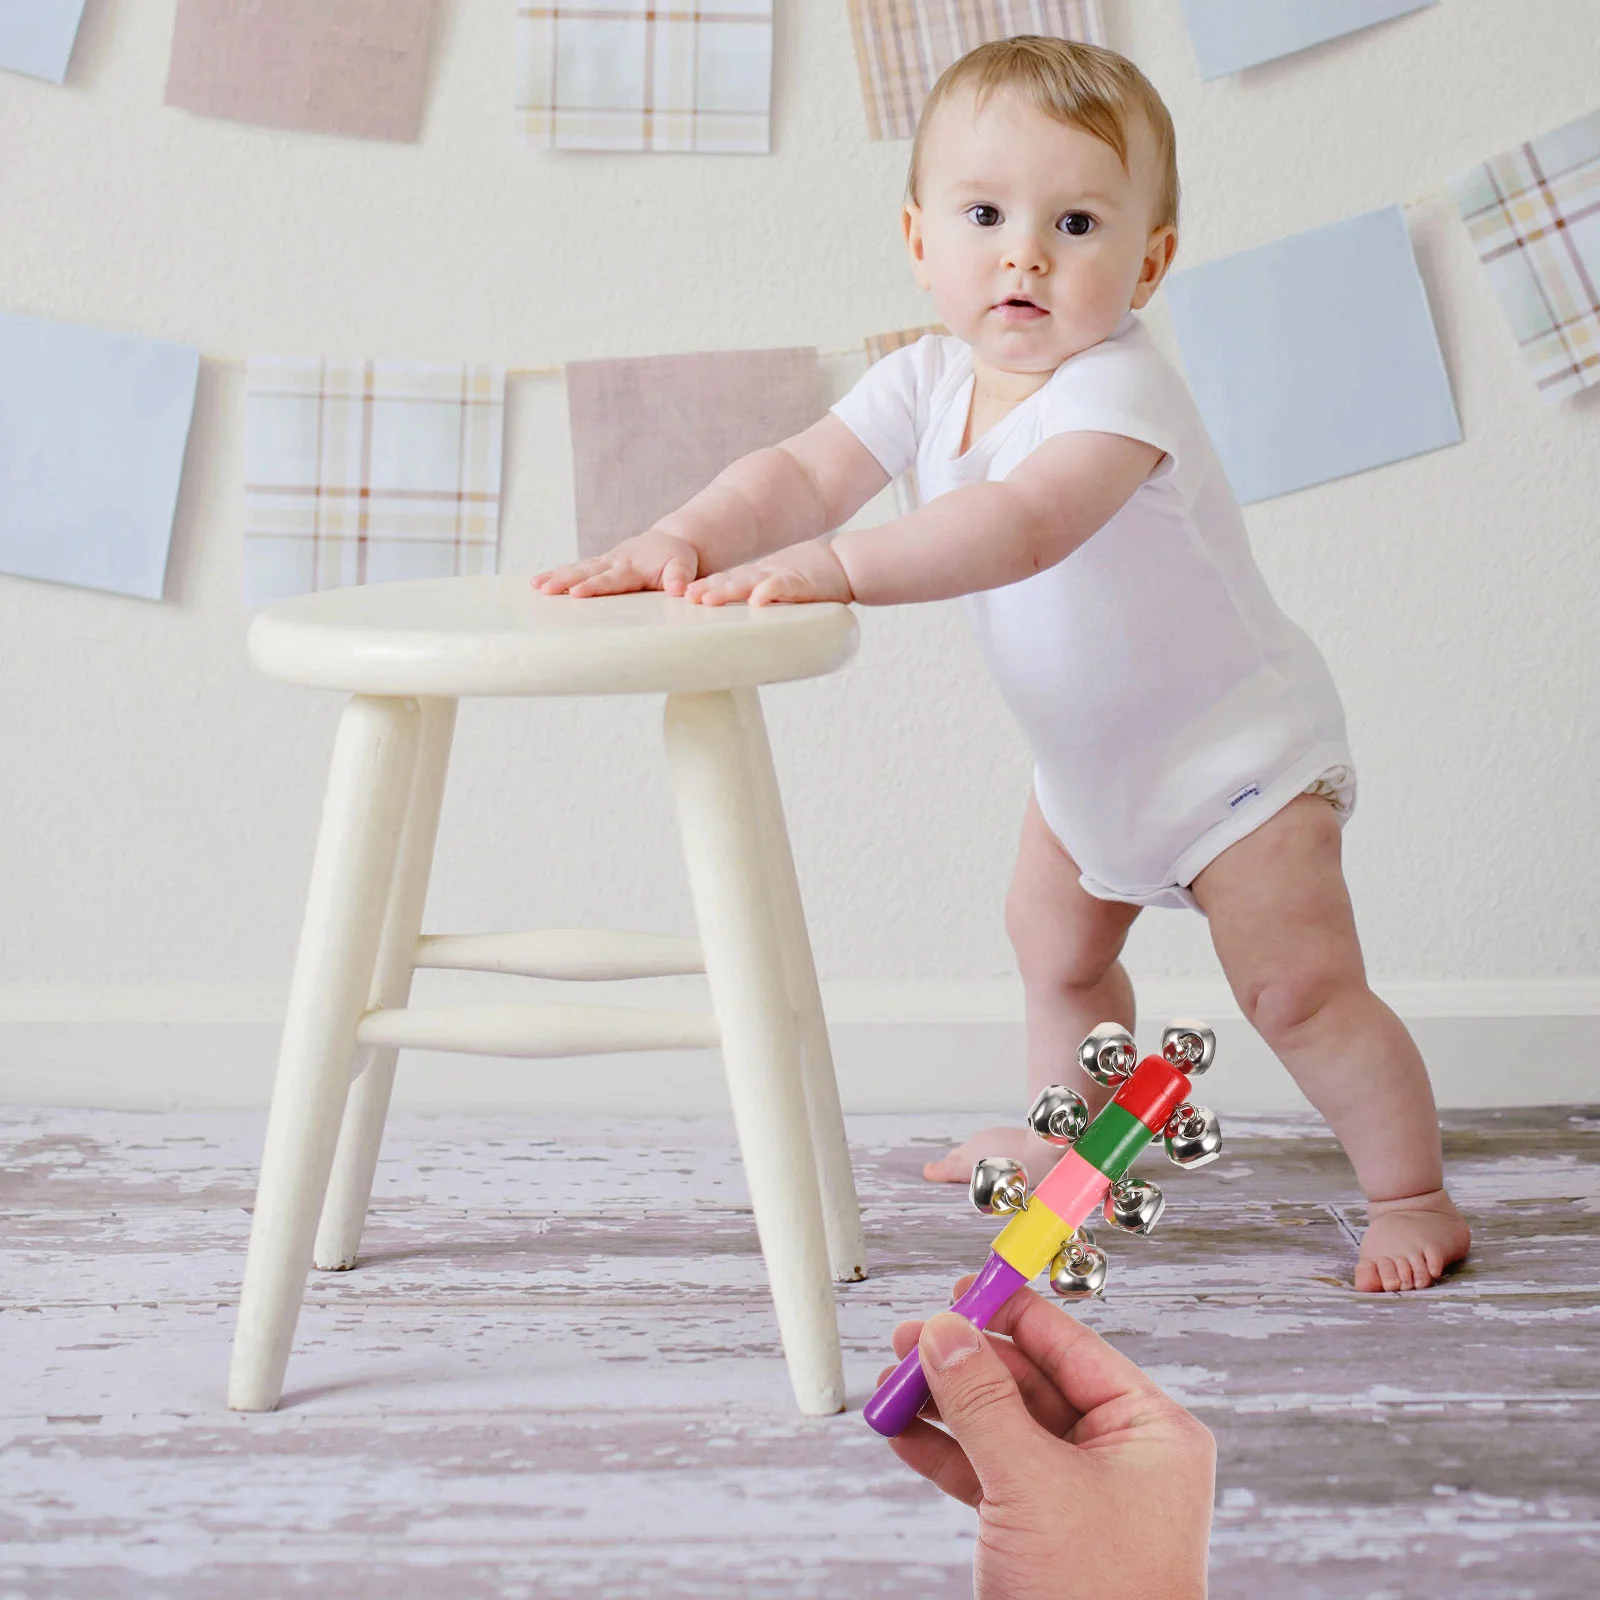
[{"x": 1030, "y": 1241}]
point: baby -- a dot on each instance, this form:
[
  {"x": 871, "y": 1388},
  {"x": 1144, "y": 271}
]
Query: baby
[{"x": 1189, "y": 743}]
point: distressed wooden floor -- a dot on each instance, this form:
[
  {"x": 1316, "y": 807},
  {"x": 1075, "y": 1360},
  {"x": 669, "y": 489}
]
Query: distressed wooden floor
[{"x": 554, "y": 1373}]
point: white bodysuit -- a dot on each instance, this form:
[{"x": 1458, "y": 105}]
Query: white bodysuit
[{"x": 1171, "y": 707}]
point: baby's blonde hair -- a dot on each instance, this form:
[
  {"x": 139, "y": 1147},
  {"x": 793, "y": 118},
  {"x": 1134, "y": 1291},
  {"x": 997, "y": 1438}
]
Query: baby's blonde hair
[{"x": 1078, "y": 84}]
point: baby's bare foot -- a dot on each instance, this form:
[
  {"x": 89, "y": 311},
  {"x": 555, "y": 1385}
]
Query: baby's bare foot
[
  {"x": 1036, "y": 1156},
  {"x": 1410, "y": 1242}
]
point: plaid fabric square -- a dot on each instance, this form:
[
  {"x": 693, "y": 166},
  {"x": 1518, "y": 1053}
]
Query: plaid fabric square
[
  {"x": 1534, "y": 217},
  {"x": 367, "y": 472},
  {"x": 902, "y": 46},
  {"x": 907, "y": 492},
  {"x": 637, "y": 75}
]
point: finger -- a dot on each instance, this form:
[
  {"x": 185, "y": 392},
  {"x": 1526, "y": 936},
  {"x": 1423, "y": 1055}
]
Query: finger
[
  {"x": 559, "y": 579},
  {"x": 1086, "y": 1370},
  {"x": 1043, "y": 1400},
  {"x": 780, "y": 589},
  {"x": 933, "y": 1453},
  {"x": 978, "y": 1400},
  {"x": 676, "y": 576},
  {"x": 619, "y": 579}
]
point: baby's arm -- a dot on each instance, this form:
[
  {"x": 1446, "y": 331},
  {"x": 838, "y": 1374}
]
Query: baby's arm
[
  {"x": 785, "y": 495},
  {"x": 979, "y": 537}
]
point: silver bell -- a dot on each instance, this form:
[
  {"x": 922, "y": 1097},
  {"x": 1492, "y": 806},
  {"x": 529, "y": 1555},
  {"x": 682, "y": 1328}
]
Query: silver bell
[
  {"x": 1058, "y": 1115},
  {"x": 1108, "y": 1055},
  {"x": 1189, "y": 1046},
  {"x": 999, "y": 1186},
  {"x": 1079, "y": 1271},
  {"x": 1193, "y": 1136},
  {"x": 1134, "y": 1205}
]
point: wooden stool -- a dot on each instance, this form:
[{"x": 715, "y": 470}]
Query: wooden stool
[{"x": 406, "y": 652}]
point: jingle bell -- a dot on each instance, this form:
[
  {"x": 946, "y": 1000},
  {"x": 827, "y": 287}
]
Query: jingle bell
[
  {"x": 1134, "y": 1205},
  {"x": 1191, "y": 1047},
  {"x": 1193, "y": 1136},
  {"x": 1058, "y": 1115},
  {"x": 999, "y": 1186},
  {"x": 1108, "y": 1055},
  {"x": 1079, "y": 1271}
]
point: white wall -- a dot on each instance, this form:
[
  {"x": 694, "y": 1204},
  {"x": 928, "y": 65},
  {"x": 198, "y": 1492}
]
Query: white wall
[{"x": 158, "y": 800}]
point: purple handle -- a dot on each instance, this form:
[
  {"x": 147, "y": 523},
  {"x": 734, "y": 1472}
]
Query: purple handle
[{"x": 903, "y": 1393}]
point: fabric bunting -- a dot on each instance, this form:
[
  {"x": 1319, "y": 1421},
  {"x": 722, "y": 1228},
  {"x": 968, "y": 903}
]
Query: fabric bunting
[
  {"x": 36, "y": 36},
  {"x": 1534, "y": 217},
  {"x": 354, "y": 67},
  {"x": 647, "y": 434},
  {"x": 632, "y": 75},
  {"x": 902, "y": 46},
  {"x": 369, "y": 471},
  {"x": 93, "y": 430}
]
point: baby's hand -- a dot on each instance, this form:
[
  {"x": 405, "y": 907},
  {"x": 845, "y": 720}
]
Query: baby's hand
[
  {"x": 798, "y": 575},
  {"x": 651, "y": 560}
]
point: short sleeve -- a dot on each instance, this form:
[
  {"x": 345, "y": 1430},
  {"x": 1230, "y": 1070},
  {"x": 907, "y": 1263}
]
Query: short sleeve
[
  {"x": 1123, "y": 385},
  {"x": 888, "y": 408}
]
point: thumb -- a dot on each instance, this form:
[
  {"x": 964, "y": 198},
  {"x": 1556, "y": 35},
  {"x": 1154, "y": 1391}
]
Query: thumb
[
  {"x": 978, "y": 1399},
  {"x": 677, "y": 575}
]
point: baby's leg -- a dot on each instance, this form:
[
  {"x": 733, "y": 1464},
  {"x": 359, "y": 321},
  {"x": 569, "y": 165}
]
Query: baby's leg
[
  {"x": 1067, "y": 944},
  {"x": 1286, "y": 936}
]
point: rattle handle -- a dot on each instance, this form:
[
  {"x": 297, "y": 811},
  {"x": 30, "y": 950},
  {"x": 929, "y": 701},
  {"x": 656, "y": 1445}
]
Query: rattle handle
[{"x": 904, "y": 1392}]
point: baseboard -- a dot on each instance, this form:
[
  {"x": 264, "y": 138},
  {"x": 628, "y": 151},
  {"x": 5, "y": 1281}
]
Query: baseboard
[{"x": 897, "y": 1047}]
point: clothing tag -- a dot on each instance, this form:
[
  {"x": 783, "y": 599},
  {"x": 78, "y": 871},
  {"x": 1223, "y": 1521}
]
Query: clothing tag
[{"x": 1249, "y": 792}]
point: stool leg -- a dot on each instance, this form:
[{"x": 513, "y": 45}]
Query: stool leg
[
  {"x": 708, "y": 755},
  {"x": 344, "y": 1211},
  {"x": 374, "y": 757},
  {"x": 841, "y": 1210}
]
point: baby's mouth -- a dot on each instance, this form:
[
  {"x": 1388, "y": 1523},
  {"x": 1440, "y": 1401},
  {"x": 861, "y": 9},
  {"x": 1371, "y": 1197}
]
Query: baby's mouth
[{"x": 1019, "y": 308}]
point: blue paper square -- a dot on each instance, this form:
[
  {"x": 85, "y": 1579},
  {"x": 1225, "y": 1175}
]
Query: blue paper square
[
  {"x": 93, "y": 428},
  {"x": 1230, "y": 35},
  {"x": 1315, "y": 356},
  {"x": 36, "y": 36}
]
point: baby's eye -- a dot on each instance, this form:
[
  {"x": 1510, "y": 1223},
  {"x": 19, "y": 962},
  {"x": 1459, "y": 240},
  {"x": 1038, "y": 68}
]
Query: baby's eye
[
  {"x": 984, "y": 215},
  {"x": 1076, "y": 223}
]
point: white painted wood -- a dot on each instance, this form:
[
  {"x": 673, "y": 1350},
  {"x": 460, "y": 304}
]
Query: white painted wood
[
  {"x": 369, "y": 783},
  {"x": 572, "y": 954},
  {"x": 841, "y": 1210},
  {"x": 496, "y": 636},
  {"x": 538, "y": 1031},
  {"x": 719, "y": 816},
  {"x": 355, "y": 1159}
]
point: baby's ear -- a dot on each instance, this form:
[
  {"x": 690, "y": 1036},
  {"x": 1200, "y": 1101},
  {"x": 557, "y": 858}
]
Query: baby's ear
[
  {"x": 911, "y": 226},
  {"x": 1163, "y": 246}
]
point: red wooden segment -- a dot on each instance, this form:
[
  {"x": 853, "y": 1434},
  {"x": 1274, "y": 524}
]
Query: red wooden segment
[{"x": 1153, "y": 1093}]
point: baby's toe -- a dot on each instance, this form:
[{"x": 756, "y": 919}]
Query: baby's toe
[
  {"x": 1367, "y": 1279},
  {"x": 952, "y": 1168},
  {"x": 1421, "y": 1273}
]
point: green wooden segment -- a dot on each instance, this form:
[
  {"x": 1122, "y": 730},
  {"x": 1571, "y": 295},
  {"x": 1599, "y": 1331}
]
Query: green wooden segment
[{"x": 1112, "y": 1140}]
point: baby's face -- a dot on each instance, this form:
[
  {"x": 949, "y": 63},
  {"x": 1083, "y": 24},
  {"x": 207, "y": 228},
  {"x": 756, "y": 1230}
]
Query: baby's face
[{"x": 1032, "y": 238}]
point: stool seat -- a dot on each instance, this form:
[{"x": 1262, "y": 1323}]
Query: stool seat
[{"x": 498, "y": 636}]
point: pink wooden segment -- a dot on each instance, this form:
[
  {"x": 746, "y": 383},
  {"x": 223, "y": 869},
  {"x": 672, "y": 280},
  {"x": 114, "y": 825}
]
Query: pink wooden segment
[{"x": 1073, "y": 1189}]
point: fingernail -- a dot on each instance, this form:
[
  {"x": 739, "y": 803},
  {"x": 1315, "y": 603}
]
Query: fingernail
[{"x": 949, "y": 1339}]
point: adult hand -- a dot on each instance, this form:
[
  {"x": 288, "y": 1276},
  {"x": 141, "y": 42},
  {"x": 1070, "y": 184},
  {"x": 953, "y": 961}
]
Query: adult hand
[
  {"x": 1086, "y": 1478},
  {"x": 798, "y": 574},
  {"x": 651, "y": 560}
]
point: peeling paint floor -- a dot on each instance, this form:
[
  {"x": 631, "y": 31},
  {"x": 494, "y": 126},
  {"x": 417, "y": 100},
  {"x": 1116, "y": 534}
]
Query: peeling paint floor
[{"x": 554, "y": 1372}]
